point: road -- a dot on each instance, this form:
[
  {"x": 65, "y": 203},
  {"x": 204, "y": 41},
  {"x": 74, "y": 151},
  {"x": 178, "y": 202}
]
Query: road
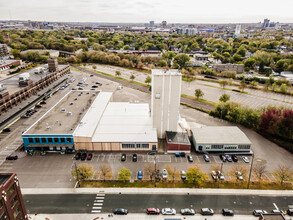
[{"x": 87, "y": 203}]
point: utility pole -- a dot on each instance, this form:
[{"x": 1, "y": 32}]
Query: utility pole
[
  {"x": 221, "y": 173},
  {"x": 155, "y": 162},
  {"x": 250, "y": 172}
]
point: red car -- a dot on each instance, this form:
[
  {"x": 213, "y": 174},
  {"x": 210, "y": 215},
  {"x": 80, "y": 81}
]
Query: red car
[
  {"x": 89, "y": 156},
  {"x": 153, "y": 211}
]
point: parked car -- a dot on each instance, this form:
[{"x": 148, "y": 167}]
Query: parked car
[
  {"x": 234, "y": 158},
  {"x": 123, "y": 157},
  {"x": 239, "y": 175},
  {"x": 83, "y": 156},
  {"x": 190, "y": 159},
  {"x": 6, "y": 129},
  {"x": 221, "y": 175},
  {"x": 77, "y": 156},
  {"x": 183, "y": 175},
  {"x": 227, "y": 212},
  {"x": 187, "y": 211},
  {"x": 62, "y": 152},
  {"x": 182, "y": 154},
  {"x": 43, "y": 153},
  {"x": 168, "y": 211},
  {"x": 152, "y": 152},
  {"x": 89, "y": 156},
  {"x": 206, "y": 211},
  {"x": 164, "y": 174},
  {"x": 177, "y": 154},
  {"x": 25, "y": 116},
  {"x": 43, "y": 103},
  {"x": 120, "y": 211},
  {"x": 223, "y": 157},
  {"x": 12, "y": 157},
  {"x": 214, "y": 175},
  {"x": 258, "y": 212},
  {"x": 206, "y": 158},
  {"x": 153, "y": 211},
  {"x": 139, "y": 175},
  {"x": 134, "y": 157},
  {"x": 92, "y": 89},
  {"x": 228, "y": 158},
  {"x": 290, "y": 212},
  {"x": 94, "y": 86},
  {"x": 38, "y": 106},
  {"x": 245, "y": 159},
  {"x": 91, "y": 75}
]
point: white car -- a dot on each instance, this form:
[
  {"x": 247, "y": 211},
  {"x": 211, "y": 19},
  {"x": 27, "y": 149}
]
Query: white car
[
  {"x": 168, "y": 211},
  {"x": 221, "y": 175},
  {"x": 164, "y": 174},
  {"x": 239, "y": 175},
  {"x": 214, "y": 175},
  {"x": 245, "y": 159}
]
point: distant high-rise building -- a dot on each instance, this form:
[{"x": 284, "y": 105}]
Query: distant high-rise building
[
  {"x": 164, "y": 24},
  {"x": 3, "y": 50},
  {"x": 152, "y": 24},
  {"x": 238, "y": 30},
  {"x": 12, "y": 205},
  {"x": 266, "y": 23}
]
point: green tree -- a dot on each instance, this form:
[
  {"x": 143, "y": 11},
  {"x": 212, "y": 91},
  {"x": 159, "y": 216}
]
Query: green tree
[
  {"x": 132, "y": 77},
  {"x": 124, "y": 174},
  {"x": 181, "y": 60},
  {"x": 169, "y": 55},
  {"x": 283, "y": 88},
  {"x": 195, "y": 175},
  {"x": 198, "y": 93},
  {"x": 249, "y": 63},
  {"x": 242, "y": 85},
  {"x": 15, "y": 53},
  {"x": 224, "y": 98},
  {"x": 148, "y": 80},
  {"x": 223, "y": 83},
  {"x": 117, "y": 73},
  {"x": 83, "y": 172}
]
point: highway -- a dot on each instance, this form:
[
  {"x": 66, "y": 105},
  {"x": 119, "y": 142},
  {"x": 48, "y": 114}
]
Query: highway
[{"x": 105, "y": 203}]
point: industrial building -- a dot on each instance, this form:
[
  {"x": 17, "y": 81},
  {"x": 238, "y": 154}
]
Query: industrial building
[
  {"x": 238, "y": 68},
  {"x": 88, "y": 120},
  {"x": 3, "y": 50},
  {"x": 220, "y": 139},
  {"x": 11, "y": 203},
  {"x": 177, "y": 142}
]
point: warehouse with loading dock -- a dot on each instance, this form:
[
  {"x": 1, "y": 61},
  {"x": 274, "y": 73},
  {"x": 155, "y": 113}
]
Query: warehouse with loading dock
[
  {"x": 89, "y": 120},
  {"x": 220, "y": 139}
]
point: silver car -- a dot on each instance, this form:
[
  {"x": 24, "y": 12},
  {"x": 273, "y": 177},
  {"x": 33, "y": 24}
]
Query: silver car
[
  {"x": 168, "y": 211},
  {"x": 164, "y": 174}
]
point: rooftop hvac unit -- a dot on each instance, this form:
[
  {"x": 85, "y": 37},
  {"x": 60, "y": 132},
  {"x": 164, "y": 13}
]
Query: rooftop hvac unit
[{"x": 69, "y": 113}]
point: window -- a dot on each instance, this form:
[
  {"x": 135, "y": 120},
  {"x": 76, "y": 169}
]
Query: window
[
  {"x": 68, "y": 139},
  {"x": 16, "y": 212},
  {"x": 31, "y": 140},
  {"x": 62, "y": 140},
  {"x": 128, "y": 146},
  {"x": 37, "y": 140},
  {"x": 217, "y": 146},
  {"x": 200, "y": 148},
  {"x": 44, "y": 140},
  {"x": 242, "y": 146},
  {"x": 10, "y": 191},
  {"x": 56, "y": 139},
  {"x": 14, "y": 201},
  {"x": 145, "y": 145},
  {"x": 50, "y": 140}
]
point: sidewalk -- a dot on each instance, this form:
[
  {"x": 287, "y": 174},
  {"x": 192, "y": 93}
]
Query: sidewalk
[
  {"x": 179, "y": 191},
  {"x": 134, "y": 217}
]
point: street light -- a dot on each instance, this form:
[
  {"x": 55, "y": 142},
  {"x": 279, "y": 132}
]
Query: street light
[
  {"x": 221, "y": 173},
  {"x": 155, "y": 162},
  {"x": 250, "y": 171}
]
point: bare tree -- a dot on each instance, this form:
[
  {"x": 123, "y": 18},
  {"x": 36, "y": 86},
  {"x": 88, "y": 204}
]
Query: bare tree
[
  {"x": 283, "y": 173},
  {"x": 106, "y": 172},
  {"x": 215, "y": 167},
  {"x": 238, "y": 168},
  {"x": 259, "y": 170},
  {"x": 173, "y": 173},
  {"x": 149, "y": 170}
]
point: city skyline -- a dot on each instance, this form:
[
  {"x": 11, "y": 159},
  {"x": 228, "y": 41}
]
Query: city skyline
[{"x": 111, "y": 11}]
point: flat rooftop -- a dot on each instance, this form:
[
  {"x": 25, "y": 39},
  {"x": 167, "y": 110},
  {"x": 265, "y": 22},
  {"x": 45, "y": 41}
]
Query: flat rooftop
[
  {"x": 219, "y": 135},
  {"x": 65, "y": 115},
  {"x": 177, "y": 137},
  {"x": 4, "y": 178},
  {"x": 159, "y": 72},
  {"x": 125, "y": 122}
]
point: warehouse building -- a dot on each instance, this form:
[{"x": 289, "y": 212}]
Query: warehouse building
[
  {"x": 220, "y": 139},
  {"x": 88, "y": 120},
  {"x": 177, "y": 142}
]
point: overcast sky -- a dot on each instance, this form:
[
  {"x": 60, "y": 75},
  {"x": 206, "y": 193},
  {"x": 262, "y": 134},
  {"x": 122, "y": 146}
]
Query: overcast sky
[{"x": 173, "y": 11}]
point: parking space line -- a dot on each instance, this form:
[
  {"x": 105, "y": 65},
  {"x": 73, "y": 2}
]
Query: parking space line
[
  {"x": 197, "y": 158},
  {"x": 217, "y": 159}
]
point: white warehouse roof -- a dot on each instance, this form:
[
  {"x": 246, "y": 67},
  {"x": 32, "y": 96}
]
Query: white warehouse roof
[
  {"x": 125, "y": 122},
  {"x": 166, "y": 72},
  {"x": 89, "y": 122},
  {"x": 219, "y": 135}
]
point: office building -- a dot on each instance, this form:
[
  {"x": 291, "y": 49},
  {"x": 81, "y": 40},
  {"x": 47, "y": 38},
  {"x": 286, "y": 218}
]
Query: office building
[
  {"x": 11, "y": 205},
  {"x": 152, "y": 24},
  {"x": 266, "y": 23},
  {"x": 3, "y": 50},
  {"x": 164, "y": 24}
]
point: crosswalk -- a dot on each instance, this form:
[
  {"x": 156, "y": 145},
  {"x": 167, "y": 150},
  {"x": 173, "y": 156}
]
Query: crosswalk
[{"x": 98, "y": 203}]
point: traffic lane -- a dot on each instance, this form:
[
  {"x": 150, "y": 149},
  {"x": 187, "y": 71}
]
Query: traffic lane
[
  {"x": 59, "y": 203},
  {"x": 240, "y": 204}
]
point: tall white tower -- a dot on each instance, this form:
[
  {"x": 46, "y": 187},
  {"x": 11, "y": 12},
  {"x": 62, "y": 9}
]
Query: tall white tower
[
  {"x": 238, "y": 30},
  {"x": 166, "y": 92}
]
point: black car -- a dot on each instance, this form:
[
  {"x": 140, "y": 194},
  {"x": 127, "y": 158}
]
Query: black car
[
  {"x": 152, "y": 152},
  {"x": 182, "y": 154},
  {"x": 190, "y": 159},
  {"x": 120, "y": 211},
  {"x": 123, "y": 157},
  {"x": 12, "y": 157},
  {"x": 290, "y": 212},
  {"x": 223, "y": 157},
  {"x": 6, "y": 130},
  {"x": 43, "y": 103},
  {"x": 83, "y": 156},
  {"x": 227, "y": 212},
  {"x": 134, "y": 157},
  {"x": 77, "y": 156},
  {"x": 234, "y": 158}
]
